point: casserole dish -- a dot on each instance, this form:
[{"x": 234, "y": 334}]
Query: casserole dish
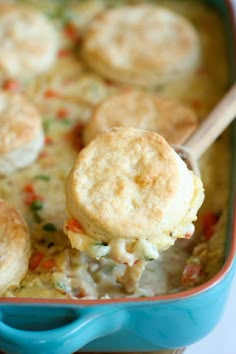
[{"x": 128, "y": 324}]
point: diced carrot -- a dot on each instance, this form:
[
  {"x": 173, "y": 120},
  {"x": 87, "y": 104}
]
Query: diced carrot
[
  {"x": 51, "y": 94},
  {"x": 62, "y": 113},
  {"x": 12, "y": 85},
  {"x": 81, "y": 293},
  {"x": 48, "y": 140},
  {"x": 29, "y": 188},
  {"x": 70, "y": 30},
  {"x": 48, "y": 264},
  {"x": 31, "y": 198},
  {"x": 43, "y": 154},
  {"x": 208, "y": 221},
  {"x": 73, "y": 225},
  {"x": 191, "y": 273},
  {"x": 74, "y": 136},
  {"x": 64, "y": 52},
  {"x": 35, "y": 260},
  {"x": 31, "y": 195}
]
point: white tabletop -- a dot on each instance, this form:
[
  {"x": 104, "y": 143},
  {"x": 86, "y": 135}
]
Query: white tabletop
[{"x": 223, "y": 338}]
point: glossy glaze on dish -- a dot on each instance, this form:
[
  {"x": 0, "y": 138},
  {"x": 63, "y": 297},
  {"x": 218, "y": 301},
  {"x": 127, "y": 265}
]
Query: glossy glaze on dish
[{"x": 66, "y": 97}]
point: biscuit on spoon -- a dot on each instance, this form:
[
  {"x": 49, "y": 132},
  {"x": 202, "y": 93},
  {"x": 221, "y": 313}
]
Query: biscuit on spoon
[{"x": 130, "y": 196}]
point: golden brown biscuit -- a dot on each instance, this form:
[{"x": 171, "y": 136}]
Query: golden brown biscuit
[
  {"x": 21, "y": 133},
  {"x": 174, "y": 121},
  {"x": 141, "y": 45},
  {"x": 28, "y": 41},
  {"x": 130, "y": 195},
  {"x": 15, "y": 247}
]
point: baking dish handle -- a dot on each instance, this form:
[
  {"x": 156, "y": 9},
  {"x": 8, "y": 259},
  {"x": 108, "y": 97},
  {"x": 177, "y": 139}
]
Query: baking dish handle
[{"x": 87, "y": 325}]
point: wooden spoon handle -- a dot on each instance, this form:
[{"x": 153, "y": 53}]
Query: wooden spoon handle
[{"x": 216, "y": 122}]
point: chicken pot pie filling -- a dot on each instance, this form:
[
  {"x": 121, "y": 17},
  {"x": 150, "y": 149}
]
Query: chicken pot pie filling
[{"x": 66, "y": 95}]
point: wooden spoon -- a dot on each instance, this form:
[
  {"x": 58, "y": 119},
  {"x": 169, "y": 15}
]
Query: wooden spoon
[{"x": 216, "y": 122}]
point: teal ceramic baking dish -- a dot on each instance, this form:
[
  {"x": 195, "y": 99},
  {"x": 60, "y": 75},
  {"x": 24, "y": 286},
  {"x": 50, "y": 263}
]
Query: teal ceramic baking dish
[{"x": 132, "y": 324}]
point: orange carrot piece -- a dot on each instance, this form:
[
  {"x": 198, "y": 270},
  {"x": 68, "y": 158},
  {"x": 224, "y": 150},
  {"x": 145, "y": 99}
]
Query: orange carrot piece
[
  {"x": 73, "y": 225},
  {"x": 70, "y": 30},
  {"x": 62, "y": 113},
  {"x": 208, "y": 221},
  {"x": 35, "y": 260},
  {"x": 51, "y": 94},
  {"x": 29, "y": 188},
  {"x": 48, "y": 264},
  {"x": 48, "y": 140},
  {"x": 191, "y": 273},
  {"x": 74, "y": 136},
  {"x": 12, "y": 85},
  {"x": 30, "y": 198},
  {"x": 64, "y": 52}
]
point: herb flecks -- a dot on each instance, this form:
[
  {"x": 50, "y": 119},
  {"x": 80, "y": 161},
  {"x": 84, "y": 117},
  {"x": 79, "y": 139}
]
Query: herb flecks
[
  {"x": 43, "y": 177},
  {"x": 36, "y": 205},
  {"x": 50, "y": 227}
]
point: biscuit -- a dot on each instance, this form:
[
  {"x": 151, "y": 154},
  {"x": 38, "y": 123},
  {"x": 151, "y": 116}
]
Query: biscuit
[
  {"x": 15, "y": 247},
  {"x": 174, "y": 121},
  {"x": 21, "y": 133},
  {"x": 145, "y": 45},
  {"x": 28, "y": 42},
  {"x": 132, "y": 196}
]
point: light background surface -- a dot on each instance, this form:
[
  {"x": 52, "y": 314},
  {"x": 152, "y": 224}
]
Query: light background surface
[{"x": 223, "y": 338}]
